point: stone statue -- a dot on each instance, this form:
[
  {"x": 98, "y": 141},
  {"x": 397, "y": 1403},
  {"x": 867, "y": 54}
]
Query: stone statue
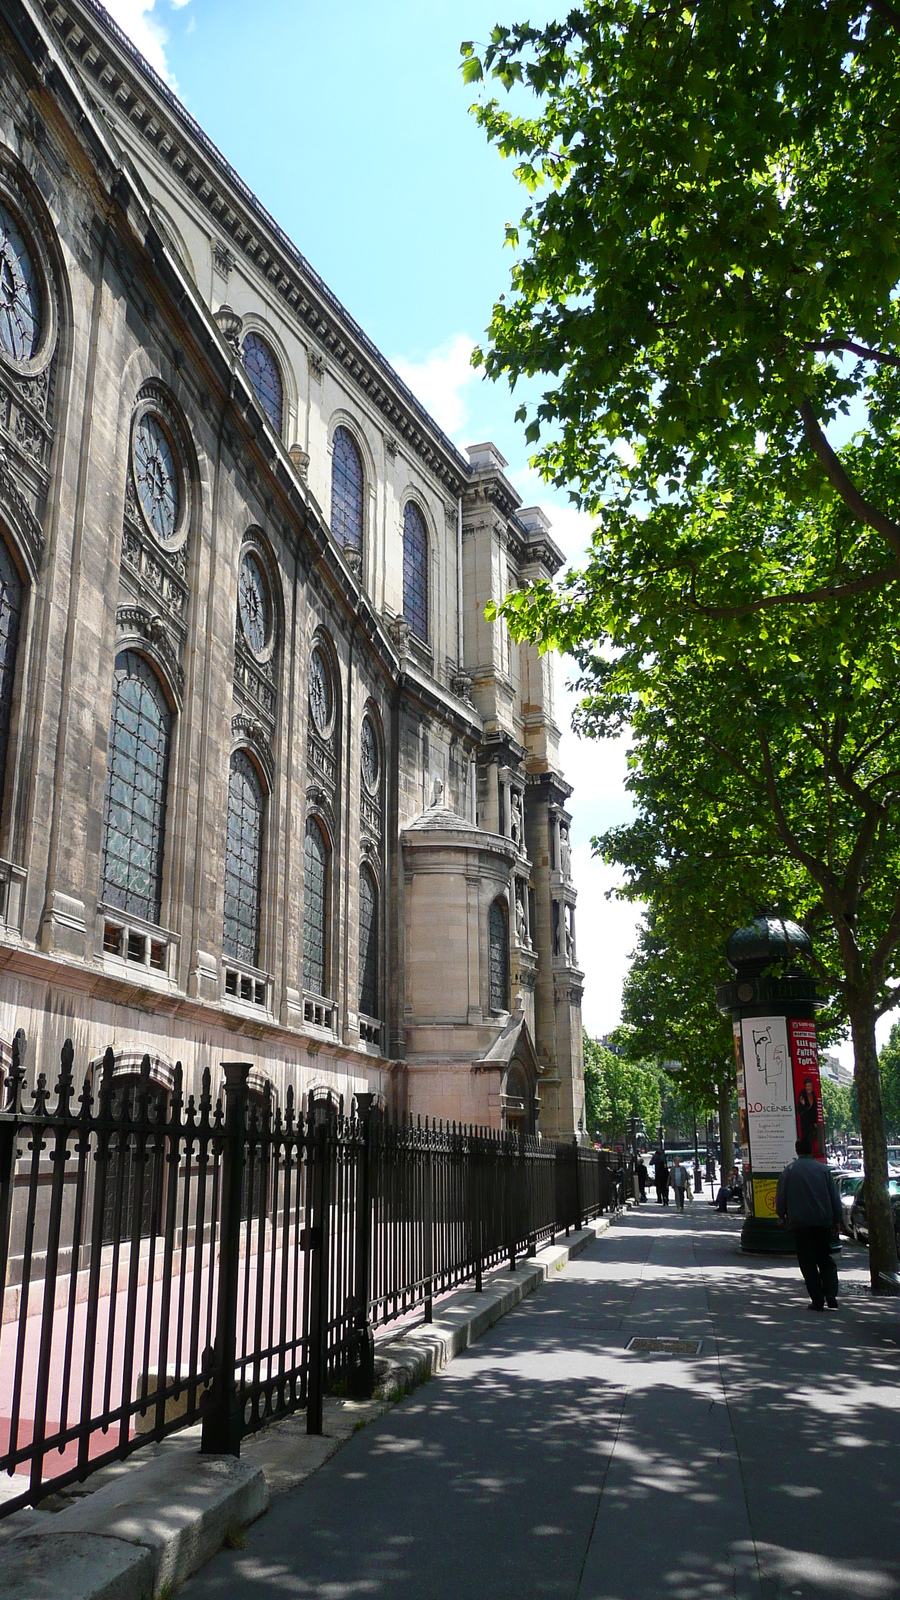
[
  {"x": 515, "y": 821},
  {"x": 570, "y": 935},
  {"x": 521, "y": 925},
  {"x": 565, "y": 854}
]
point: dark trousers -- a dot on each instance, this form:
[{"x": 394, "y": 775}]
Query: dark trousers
[{"x": 817, "y": 1263}]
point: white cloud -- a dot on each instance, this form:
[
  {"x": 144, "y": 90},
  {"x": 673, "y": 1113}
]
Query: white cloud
[
  {"x": 145, "y": 30},
  {"x": 440, "y": 381}
]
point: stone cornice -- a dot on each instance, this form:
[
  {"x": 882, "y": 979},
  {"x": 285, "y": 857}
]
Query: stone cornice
[{"x": 116, "y": 71}]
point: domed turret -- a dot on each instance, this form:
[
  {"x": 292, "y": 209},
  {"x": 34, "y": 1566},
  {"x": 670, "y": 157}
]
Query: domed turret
[{"x": 769, "y": 940}]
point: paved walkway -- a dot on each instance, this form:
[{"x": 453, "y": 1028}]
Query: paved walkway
[{"x": 550, "y": 1461}]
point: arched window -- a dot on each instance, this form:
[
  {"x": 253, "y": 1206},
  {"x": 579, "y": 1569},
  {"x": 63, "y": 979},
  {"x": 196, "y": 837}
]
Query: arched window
[
  {"x": 368, "y": 944},
  {"x": 346, "y": 491},
  {"x": 10, "y": 617},
  {"x": 315, "y": 908},
  {"x": 498, "y": 937},
  {"x": 135, "y": 1163},
  {"x": 265, "y": 376},
  {"x": 134, "y": 813},
  {"x": 243, "y": 860},
  {"x": 415, "y": 571}
]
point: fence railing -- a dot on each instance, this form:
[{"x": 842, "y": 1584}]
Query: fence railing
[{"x": 166, "y": 1259}]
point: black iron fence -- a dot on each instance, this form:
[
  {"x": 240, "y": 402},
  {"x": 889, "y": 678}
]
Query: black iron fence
[{"x": 166, "y": 1258}]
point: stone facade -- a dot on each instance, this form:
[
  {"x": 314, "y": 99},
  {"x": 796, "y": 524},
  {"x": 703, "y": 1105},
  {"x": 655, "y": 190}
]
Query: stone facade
[{"x": 349, "y": 862}]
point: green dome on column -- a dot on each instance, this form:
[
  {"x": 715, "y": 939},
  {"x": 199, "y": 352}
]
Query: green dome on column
[{"x": 766, "y": 941}]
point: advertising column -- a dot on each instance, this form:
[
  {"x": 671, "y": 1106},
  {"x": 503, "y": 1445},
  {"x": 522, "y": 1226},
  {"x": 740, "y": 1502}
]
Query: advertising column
[{"x": 779, "y": 1094}]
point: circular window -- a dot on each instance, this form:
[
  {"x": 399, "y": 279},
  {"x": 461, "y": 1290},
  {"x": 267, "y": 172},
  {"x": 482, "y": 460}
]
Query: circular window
[
  {"x": 20, "y": 293},
  {"x": 253, "y": 604},
  {"x": 370, "y": 758},
  {"x": 321, "y": 697},
  {"x": 157, "y": 476}
]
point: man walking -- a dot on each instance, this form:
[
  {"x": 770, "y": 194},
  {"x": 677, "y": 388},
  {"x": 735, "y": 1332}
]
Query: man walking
[
  {"x": 679, "y": 1183},
  {"x": 807, "y": 1200},
  {"x": 661, "y": 1176}
]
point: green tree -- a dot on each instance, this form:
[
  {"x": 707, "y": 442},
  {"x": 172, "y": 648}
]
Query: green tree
[
  {"x": 596, "y": 1099},
  {"x": 669, "y": 1012},
  {"x": 708, "y": 264},
  {"x": 708, "y": 275},
  {"x": 618, "y": 1089},
  {"x": 837, "y": 1109},
  {"x": 889, "y": 1066}
]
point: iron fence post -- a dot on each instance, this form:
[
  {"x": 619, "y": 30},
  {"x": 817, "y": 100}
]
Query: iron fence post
[
  {"x": 321, "y": 1117},
  {"x": 223, "y": 1412},
  {"x": 578, "y": 1210},
  {"x": 428, "y": 1230},
  {"x": 9, "y": 1129},
  {"x": 478, "y": 1168},
  {"x": 361, "y": 1380}
]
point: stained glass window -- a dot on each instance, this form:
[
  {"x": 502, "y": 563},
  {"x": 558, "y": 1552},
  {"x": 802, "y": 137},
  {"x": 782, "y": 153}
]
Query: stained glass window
[
  {"x": 498, "y": 935},
  {"x": 371, "y": 764},
  {"x": 415, "y": 571},
  {"x": 134, "y": 812},
  {"x": 156, "y": 475},
  {"x": 315, "y": 907},
  {"x": 321, "y": 698},
  {"x": 265, "y": 376},
  {"x": 253, "y": 604},
  {"x": 243, "y": 860},
  {"x": 20, "y": 295},
  {"x": 346, "y": 492},
  {"x": 10, "y": 617},
  {"x": 368, "y": 944}
]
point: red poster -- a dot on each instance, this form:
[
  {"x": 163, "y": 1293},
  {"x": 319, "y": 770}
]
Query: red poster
[{"x": 807, "y": 1086}]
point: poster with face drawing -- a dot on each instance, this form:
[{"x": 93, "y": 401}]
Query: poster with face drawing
[{"x": 769, "y": 1091}]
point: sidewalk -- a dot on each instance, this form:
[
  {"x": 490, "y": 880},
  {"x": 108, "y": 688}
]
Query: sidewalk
[{"x": 548, "y": 1460}]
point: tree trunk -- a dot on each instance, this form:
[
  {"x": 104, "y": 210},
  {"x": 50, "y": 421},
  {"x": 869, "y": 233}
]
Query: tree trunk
[
  {"x": 880, "y": 1217},
  {"x": 726, "y": 1136}
]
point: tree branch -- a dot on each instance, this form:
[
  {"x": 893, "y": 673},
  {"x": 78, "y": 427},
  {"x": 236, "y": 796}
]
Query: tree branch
[
  {"x": 865, "y": 351},
  {"x": 817, "y": 871},
  {"x": 887, "y": 943},
  {"x": 796, "y": 597},
  {"x": 843, "y": 483},
  {"x": 886, "y": 12},
  {"x": 888, "y": 1003}
]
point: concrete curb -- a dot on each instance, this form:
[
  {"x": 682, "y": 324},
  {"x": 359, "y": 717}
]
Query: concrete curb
[
  {"x": 58, "y": 1566},
  {"x": 149, "y": 1523},
  {"x": 414, "y": 1356}
]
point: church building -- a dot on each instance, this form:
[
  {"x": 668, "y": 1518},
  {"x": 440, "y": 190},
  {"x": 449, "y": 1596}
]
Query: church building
[{"x": 273, "y": 789}]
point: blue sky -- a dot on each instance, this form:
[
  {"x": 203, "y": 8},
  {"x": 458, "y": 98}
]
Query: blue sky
[{"x": 350, "y": 121}]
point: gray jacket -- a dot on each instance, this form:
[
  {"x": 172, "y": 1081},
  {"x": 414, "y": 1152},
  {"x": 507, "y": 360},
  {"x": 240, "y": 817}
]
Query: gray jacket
[{"x": 807, "y": 1195}]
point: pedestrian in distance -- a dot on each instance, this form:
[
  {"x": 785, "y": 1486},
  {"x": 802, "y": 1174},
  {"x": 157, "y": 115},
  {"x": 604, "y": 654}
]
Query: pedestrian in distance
[
  {"x": 642, "y": 1179},
  {"x": 661, "y": 1176},
  {"x": 807, "y": 1200},
  {"x": 680, "y": 1182}
]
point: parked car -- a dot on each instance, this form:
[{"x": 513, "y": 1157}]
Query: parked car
[
  {"x": 848, "y": 1187},
  {"x": 859, "y": 1227}
]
